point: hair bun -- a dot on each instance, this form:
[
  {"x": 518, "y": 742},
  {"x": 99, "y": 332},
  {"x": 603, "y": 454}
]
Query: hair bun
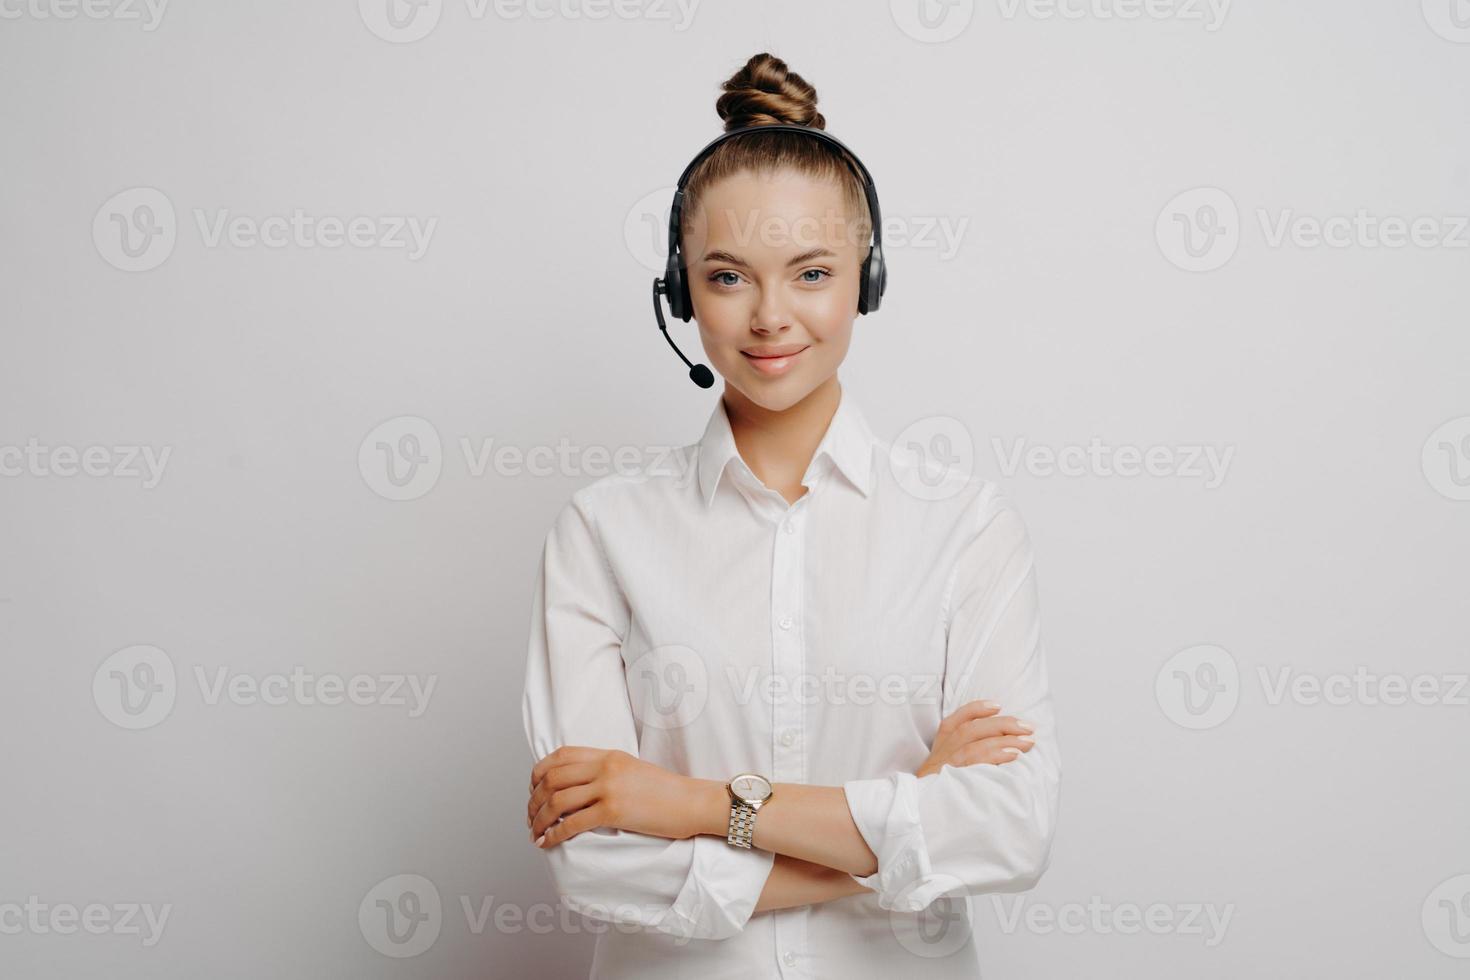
[{"x": 766, "y": 92}]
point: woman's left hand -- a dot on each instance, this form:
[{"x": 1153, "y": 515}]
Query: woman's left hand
[{"x": 585, "y": 788}]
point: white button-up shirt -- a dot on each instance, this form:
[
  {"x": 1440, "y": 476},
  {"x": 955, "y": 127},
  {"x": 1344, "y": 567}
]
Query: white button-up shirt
[{"x": 689, "y": 615}]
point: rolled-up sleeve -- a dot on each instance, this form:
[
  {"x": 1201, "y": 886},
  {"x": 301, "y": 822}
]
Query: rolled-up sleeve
[
  {"x": 977, "y": 828},
  {"x": 576, "y": 694}
]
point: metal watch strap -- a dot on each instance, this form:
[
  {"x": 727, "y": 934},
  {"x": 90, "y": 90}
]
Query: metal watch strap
[{"x": 742, "y": 824}]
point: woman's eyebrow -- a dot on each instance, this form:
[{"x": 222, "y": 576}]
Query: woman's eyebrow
[{"x": 729, "y": 258}]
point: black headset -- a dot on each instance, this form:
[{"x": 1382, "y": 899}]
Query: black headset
[{"x": 675, "y": 283}]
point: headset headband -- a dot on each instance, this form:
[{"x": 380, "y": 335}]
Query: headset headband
[{"x": 850, "y": 158}]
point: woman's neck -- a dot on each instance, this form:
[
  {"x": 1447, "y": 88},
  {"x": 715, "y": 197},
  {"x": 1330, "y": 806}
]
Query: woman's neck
[{"x": 778, "y": 445}]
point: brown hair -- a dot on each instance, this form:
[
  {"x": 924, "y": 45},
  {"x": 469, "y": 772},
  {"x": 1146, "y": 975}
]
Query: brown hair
[{"x": 761, "y": 93}]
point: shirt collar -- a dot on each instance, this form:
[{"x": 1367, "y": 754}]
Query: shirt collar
[{"x": 848, "y": 442}]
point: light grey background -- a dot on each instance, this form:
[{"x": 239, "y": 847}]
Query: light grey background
[{"x": 1333, "y": 836}]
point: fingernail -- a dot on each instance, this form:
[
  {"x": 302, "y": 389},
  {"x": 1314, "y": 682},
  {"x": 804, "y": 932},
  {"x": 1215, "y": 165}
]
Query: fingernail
[
  {"x": 1026, "y": 738},
  {"x": 540, "y": 839},
  {"x": 1025, "y": 724},
  {"x": 1012, "y": 750},
  {"x": 989, "y": 704}
]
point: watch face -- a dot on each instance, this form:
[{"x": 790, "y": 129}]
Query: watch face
[{"x": 751, "y": 788}]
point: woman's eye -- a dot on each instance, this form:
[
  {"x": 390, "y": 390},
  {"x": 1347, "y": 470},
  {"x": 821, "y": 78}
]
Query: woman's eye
[
  {"x": 820, "y": 272},
  {"x": 719, "y": 280}
]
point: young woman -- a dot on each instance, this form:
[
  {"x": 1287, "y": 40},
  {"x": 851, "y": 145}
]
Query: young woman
[{"x": 788, "y": 702}]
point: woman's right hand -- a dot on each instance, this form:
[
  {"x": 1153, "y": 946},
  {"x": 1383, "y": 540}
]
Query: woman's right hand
[{"x": 977, "y": 732}]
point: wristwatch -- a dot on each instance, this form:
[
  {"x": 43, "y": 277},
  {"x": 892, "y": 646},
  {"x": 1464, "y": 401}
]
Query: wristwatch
[{"x": 748, "y": 793}]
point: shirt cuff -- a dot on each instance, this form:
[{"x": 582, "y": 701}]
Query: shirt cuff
[
  {"x": 721, "y": 891},
  {"x": 886, "y": 811}
]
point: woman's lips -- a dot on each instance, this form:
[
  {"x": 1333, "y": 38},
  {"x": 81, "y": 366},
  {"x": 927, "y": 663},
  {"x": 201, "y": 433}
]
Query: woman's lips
[{"x": 773, "y": 366}]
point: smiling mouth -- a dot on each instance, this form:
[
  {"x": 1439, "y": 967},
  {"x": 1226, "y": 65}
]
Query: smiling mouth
[
  {"x": 772, "y": 357},
  {"x": 777, "y": 366}
]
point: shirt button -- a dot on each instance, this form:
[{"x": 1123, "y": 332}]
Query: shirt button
[
  {"x": 787, "y": 737},
  {"x": 786, "y": 622},
  {"x": 790, "y": 528},
  {"x": 788, "y": 957}
]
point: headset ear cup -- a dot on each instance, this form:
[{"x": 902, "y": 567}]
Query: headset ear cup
[
  {"x": 686, "y": 302},
  {"x": 674, "y": 288},
  {"x": 874, "y": 281}
]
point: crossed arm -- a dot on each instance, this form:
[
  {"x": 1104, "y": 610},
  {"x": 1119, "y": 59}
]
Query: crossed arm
[{"x": 820, "y": 852}]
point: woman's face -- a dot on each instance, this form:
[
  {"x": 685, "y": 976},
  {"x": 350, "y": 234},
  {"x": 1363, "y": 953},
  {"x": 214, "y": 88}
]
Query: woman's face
[{"x": 773, "y": 264}]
